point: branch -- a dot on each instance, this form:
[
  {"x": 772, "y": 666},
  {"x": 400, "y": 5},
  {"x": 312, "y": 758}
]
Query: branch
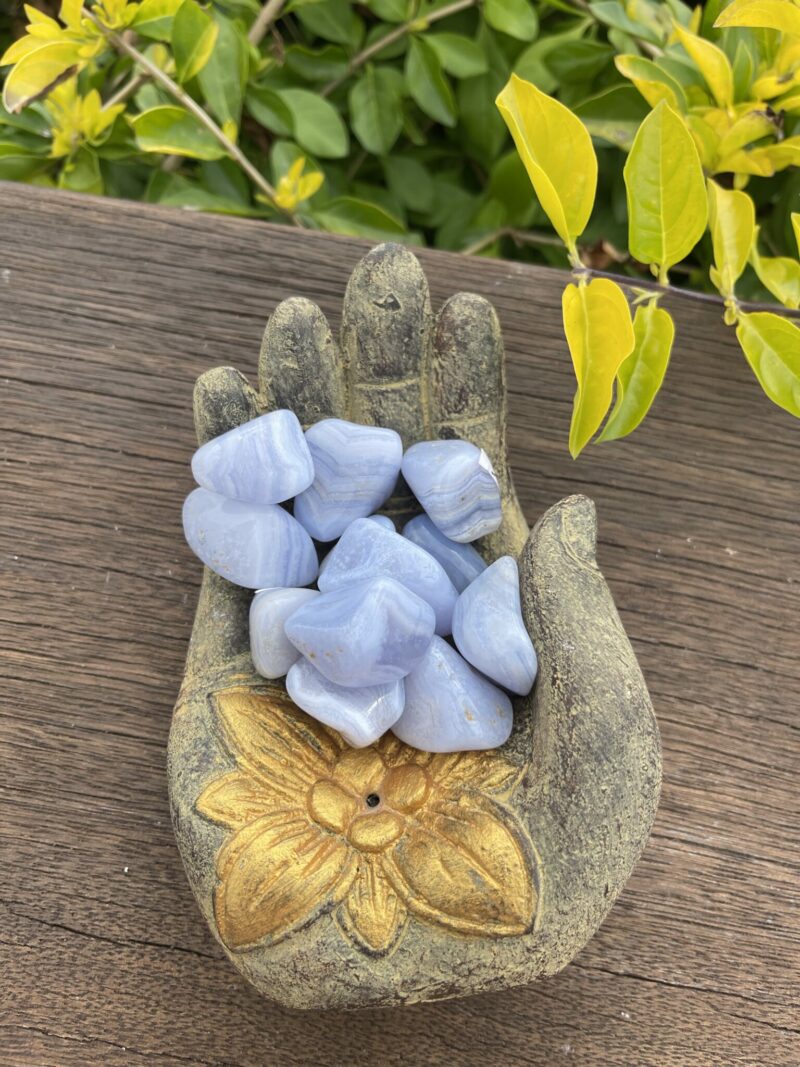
[
  {"x": 394, "y": 35},
  {"x": 266, "y": 16},
  {"x": 128, "y": 89},
  {"x": 191, "y": 105}
]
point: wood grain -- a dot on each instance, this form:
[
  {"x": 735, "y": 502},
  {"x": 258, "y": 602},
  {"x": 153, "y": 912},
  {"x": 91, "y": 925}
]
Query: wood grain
[{"x": 108, "y": 311}]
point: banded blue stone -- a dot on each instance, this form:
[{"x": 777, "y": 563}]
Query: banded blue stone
[
  {"x": 360, "y": 715},
  {"x": 270, "y": 649},
  {"x": 462, "y": 563},
  {"x": 371, "y": 632},
  {"x": 367, "y": 550},
  {"x": 263, "y": 461},
  {"x": 356, "y": 468},
  {"x": 489, "y": 630},
  {"x": 456, "y": 485},
  {"x": 254, "y": 545},
  {"x": 450, "y": 707}
]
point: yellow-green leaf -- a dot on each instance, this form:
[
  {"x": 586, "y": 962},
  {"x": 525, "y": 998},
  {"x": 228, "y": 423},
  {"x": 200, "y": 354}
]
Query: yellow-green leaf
[
  {"x": 70, "y": 13},
  {"x": 764, "y": 161},
  {"x": 796, "y": 228},
  {"x": 732, "y": 221},
  {"x": 194, "y": 34},
  {"x": 173, "y": 131},
  {"x": 712, "y": 63},
  {"x": 37, "y": 71},
  {"x": 652, "y": 82},
  {"x": 641, "y": 374},
  {"x": 557, "y": 152},
  {"x": 667, "y": 202},
  {"x": 779, "y": 274},
  {"x": 154, "y": 18},
  {"x": 597, "y": 323},
  {"x": 771, "y": 345},
  {"x": 781, "y": 15}
]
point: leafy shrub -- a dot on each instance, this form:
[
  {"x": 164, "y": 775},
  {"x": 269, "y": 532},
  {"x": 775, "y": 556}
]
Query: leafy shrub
[{"x": 378, "y": 119}]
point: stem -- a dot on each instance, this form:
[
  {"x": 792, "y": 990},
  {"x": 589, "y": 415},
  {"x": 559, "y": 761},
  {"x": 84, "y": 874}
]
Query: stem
[
  {"x": 183, "y": 98},
  {"x": 394, "y": 35},
  {"x": 128, "y": 89},
  {"x": 266, "y": 16}
]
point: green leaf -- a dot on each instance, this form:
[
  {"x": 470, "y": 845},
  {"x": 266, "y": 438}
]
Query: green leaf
[
  {"x": 483, "y": 128},
  {"x": 224, "y": 76},
  {"x": 409, "y": 181},
  {"x": 780, "y": 15},
  {"x": 317, "y": 64},
  {"x": 358, "y": 218},
  {"x": 266, "y": 107},
  {"x": 38, "y": 71},
  {"x": 459, "y": 56},
  {"x": 174, "y": 190},
  {"x": 333, "y": 20},
  {"x": 427, "y": 84},
  {"x": 154, "y": 18},
  {"x": 640, "y": 376},
  {"x": 613, "y": 13},
  {"x": 390, "y": 10},
  {"x": 318, "y": 126},
  {"x": 613, "y": 115},
  {"x": 194, "y": 34},
  {"x": 172, "y": 131},
  {"x": 712, "y": 63},
  {"x": 17, "y": 163},
  {"x": 579, "y": 61},
  {"x": 81, "y": 173},
  {"x": 510, "y": 185},
  {"x": 732, "y": 221},
  {"x": 532, "y": 63},
  {"x": 597, "y": 323},
  {"x": 517, "y": 18},
  {"x": 667, "y": 200},
  {"x": 375, "y": 111},
  {"x": 779, "y": 274},
  {"x": 653, "y": 82},
  {"x": 558, "y": 155},
  {"x": 771, "y": 345}
]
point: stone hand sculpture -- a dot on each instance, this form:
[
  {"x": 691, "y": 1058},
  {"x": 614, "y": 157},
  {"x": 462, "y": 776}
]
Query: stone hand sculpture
[{"x": 340, "y": 877}]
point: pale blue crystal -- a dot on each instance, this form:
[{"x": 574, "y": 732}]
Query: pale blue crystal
[
  {"x": 263, "y": 461},
  {"x": 254, "y": 545},
  {"x": 368, "y": 633},
  {"x": 270, "y": 649},
  {"x": 450, "y": 707},
  {"x": 360, "y": 715},
  {"x": 384, "y": 521},
  {"x": 356, "y": 468},
  {"x": 462, "y": 563},
  {"x": 456, "y": 485},
  {"x": 367, "y": 550},
  {"x": 489, "y": 630}
]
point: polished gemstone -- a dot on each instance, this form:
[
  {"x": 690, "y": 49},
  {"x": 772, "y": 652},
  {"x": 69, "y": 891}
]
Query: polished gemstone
[
  {"x": 360, "y": 715},
  {"x": 489, "y": 630},
  {"x": 450, "y": 707},
  {"x": 356, "y": 468},
  {"x": 368, "y": 633},
  {"x": 456, "y": 485},
  {"x": 462, "y": 563},
  {"x": 263, "y": 461},
  {"x": 384, "y": 521},
  {"x": 367, "y": 550},
  {"x": 255, "y": 545},
  {"x": 271, "y": 650}
]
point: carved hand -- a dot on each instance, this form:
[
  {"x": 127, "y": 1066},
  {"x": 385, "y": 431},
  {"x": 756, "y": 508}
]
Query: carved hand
[{"x": 474, "y": 871}]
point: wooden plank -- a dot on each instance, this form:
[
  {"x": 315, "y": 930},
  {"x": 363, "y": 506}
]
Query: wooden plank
[{"x": 108, "y": 311}]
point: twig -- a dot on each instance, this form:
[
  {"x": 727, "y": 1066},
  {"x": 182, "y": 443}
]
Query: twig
[
  {"x": 193, "y": 108},
  {"x": 128, "y": 89},
  {"x": 394, "y": 35},
  {"x": 266, "y": 16}
]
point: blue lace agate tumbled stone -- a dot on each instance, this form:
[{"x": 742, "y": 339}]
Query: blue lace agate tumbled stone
[
  {"x": 356, "y": 468},
  {"x": 264, "y": 461},
  {"x": 360, "y": 715},
  {"x": 456, "y": 485},
  {"x": 489, "y": 630},
  {"x": 462, "y": 563},
  {"x": 271, "y": 650},
  {"x": 450, "y": 707},
  {"x": 367, "y": 550},
  {"x": 254, "y": 545},
  {"x": 368, "y": 633},
  {"x": 384, "y": 521}
]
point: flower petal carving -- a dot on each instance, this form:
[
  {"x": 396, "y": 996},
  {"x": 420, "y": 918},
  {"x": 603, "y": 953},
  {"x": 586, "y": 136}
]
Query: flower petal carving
[
  {"x": 372, "y": 913},
  {"x": 235, "y": 799},
  {"x": 465, "y": 864},
  {"x": 275, "y": 874},
  {"x": 485, "y": 772}
]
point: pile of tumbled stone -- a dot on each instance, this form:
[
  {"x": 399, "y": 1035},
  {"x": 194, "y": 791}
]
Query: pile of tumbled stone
[{"x": 367, "y": 650}]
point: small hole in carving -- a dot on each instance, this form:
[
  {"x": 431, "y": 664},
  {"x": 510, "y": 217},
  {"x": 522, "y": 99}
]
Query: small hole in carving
[{"x": 373, "y": 800}]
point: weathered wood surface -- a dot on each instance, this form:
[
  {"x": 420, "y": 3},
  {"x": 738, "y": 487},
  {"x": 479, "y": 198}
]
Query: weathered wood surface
[{"x": 108, "y": 311}]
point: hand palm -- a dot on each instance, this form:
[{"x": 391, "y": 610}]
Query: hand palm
[{"x": 473, "y": 871}]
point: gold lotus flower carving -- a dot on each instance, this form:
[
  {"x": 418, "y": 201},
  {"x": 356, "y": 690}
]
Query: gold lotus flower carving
[{"x": 372, "y": 834}]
